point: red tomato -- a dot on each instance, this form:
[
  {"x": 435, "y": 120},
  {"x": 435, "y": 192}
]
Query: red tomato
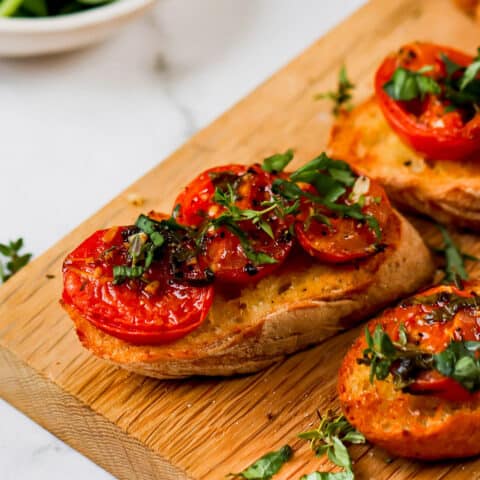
[
  {"x": 345, "y": 239},
  {"x": 432, "y": 332},
  {"x": 426, "y": 125},
  {"x": 434, "y": 383},
  {"x": 222, "y": 250},
  {"x": 156, "y": 312}
]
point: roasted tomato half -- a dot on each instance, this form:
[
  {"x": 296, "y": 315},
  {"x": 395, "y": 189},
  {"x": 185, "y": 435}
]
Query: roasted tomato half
[
  {"x": 154, "y": 309},
  {"x": 432, "y": 320},
  {"x": 331, "y": 238},
  {"x": 239, "y": 249},
  {"x": 432, "y": 124}
]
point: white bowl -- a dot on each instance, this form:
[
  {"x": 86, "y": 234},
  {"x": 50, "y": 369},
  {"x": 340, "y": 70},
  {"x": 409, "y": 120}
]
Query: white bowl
[{"x": 23, "y": 37}]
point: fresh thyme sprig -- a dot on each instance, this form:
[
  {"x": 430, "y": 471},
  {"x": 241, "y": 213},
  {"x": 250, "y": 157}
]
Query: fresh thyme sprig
[
  {"x": 341, "y": 98},
  {"x": 14, "y": 260},
  {"x": 330, "y": 438}
]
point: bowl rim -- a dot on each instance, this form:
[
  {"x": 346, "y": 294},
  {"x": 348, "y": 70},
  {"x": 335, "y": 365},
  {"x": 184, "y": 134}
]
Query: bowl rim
[{"x": 99, "y": 14}]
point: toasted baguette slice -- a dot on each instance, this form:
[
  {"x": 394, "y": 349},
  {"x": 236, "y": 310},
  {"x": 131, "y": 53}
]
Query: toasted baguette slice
[
  {"x": 302, "y": 304},
  {"x": 447, "y": 191},
  {"x": 415, "y": 426}
]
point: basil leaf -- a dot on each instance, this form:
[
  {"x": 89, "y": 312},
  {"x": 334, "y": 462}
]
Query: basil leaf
[
  {"x": 339, "y": 454},
  {"x": 407, "y": 85},
  {"x": 470, "y": 72},
  {"x": 267, "y": 466},
  {"x": 277, "y": 163},
  {"x": 36, "y": 7},
  {"x": 450, "y": 66},
  {"x": 347, "y": 475}
]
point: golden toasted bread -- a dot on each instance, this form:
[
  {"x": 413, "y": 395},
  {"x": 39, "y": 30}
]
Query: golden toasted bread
[
  {"x": 417, "y": 426},
  {"x": 448, "y": 191},
  {"x": 303, "y": 303},
  {"x": 470, "y": 7}
]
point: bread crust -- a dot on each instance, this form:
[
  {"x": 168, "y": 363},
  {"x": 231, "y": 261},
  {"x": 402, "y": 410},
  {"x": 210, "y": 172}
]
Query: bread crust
[
  {"x": 303, "y": 304},
  {"x": 415, "y": 426},
  {"x": 447, "y": 191}
]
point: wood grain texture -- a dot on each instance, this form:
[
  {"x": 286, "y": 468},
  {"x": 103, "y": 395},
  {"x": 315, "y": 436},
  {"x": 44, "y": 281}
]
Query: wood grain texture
[{"x": 139, "y": 428}]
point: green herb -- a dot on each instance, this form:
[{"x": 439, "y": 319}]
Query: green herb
[
  {"x": 385, "y": 357},
  {"x": 454, "y": 259},
  {"x": 471, "y": 72},
  {"x": 14, "y": 260},
  {"x": 233, "y": 214},
  {"x": 346, "y": 475},
  {"x": 277, "y": 163},
  {"x": 330, "y": 438},
  {"x": 448, "y": 305},
  {"x": 45, "y": 8},
  {"x": 150, "y": 239},
  {"x": 331, "y": 178},
  {"x": 267, "y": 466},
  {"x": 460, "y": 362},
  {"x": 408, "y": 85},
  {"x": 341, "y": 98}
]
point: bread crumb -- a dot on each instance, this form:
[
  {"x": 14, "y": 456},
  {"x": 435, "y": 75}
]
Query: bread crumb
[{"x": 135, "y": 199}]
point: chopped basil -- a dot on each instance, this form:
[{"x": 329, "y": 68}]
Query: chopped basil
[
  {"x": 267, "y": 466},
  {"x": 14, "y": 261},
  {"x": 342, "y": 96},
  {"x": 46, "y": 8},
  {"x": 387, "y": 358},
  {"x": 460, "y": 86},
  {"x": 330, "y": 178},
  {"x": 277, "y": 163},
  {"x": 409, "y": 85}
]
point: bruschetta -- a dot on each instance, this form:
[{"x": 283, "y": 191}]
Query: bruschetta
[
  {"x": 411, "y": 382},
  {"x": 252, "y": 264},
  {"x": 419, "y": 136}
]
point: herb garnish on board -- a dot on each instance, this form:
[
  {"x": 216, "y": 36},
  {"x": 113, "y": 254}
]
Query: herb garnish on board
[
  {"x": 14, "y": 259},
  {"x": 330, "y": 438},
  {"x": 342, "y": 96}
]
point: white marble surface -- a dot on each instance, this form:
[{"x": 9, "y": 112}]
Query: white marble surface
[{"x": 78, "y": 128}]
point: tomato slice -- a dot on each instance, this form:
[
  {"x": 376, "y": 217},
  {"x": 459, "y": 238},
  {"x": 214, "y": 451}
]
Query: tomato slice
[
  {"x": 223, "y": 251},
  {"x": 431, "y": 322},
  {"x": 428, "y": 125},
  {"x": 342, "y": 239},
  {"x": 157, "y": 311},
  {"x": 434, "y": 383}
]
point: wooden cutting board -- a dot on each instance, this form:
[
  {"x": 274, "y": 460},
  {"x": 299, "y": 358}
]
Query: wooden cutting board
[{"x": 139, "y": 428}]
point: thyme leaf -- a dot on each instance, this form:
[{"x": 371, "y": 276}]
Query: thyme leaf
[
  {"x": 14, "y": 260},
  {"x": 341, "y": 98}
]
